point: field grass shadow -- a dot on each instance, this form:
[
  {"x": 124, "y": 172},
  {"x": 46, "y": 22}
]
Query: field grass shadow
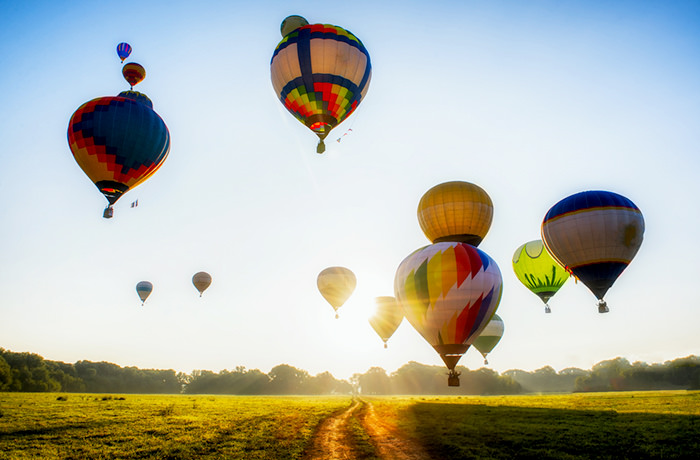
[{"x": 466, "y": 431}]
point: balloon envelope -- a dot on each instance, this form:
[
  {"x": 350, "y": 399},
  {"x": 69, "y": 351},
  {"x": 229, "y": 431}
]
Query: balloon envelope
[
  {"x": 201, "y": 281},
  {"x": 133, "y": 73},
  {"x": 490, "y": 336},
  {"x": 118, "y": 142},
  {"x": 387, "y": 317},
  {"x": 321, "y": 74},
  {"x": 449, "y": 291},
  {"x": 144, "y": 289},
  {"x": 455, "y": 211},
  {"x": 336, "y": 284},
  {"x": 596, "y": 234},
  {"x": 123, "y": 50},
  {"x": 538, "y": 270}
]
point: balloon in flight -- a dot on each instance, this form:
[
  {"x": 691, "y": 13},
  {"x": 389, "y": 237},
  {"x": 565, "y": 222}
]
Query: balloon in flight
[
  {"x": 133, "y": 73},
  {"x": 201, "y": 281},
  {"x": 595, "y": 234},
  {"x": 144, "y": 289},
  {"x": 320, "y": 73},
  {"x": 123, "y": 50},
  {"x": 449, "y": 291},
  {"x": 455, "y": 211},
  {"x": 336, "y": 284},
  {"x": 489, "y": 337},
  {"x": 538, "y": 271},
  {"x": 386, "y": 318},
  {"x": 118, "y": 142}
]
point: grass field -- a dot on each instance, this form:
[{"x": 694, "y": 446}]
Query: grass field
[
  {"x": 631, "y": 425},
  {"x": 598, "y": 425}
]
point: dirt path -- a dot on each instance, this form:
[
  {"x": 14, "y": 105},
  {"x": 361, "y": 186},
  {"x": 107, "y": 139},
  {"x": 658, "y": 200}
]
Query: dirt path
[
  {"x": 333, "y": 439},
  {"x": 387, "y": 440}
]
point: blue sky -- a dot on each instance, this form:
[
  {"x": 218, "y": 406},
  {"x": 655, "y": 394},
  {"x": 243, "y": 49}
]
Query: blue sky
[{"x": 533, "y": 101}]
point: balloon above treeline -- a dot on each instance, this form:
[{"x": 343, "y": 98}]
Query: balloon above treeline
[
  {"x": 489, "y": 337},
  {"x": 539, "y": 271},
  {"x": 123, "y": 50},
  {"x": 450, "y": 289},
  {"x": 386, "y": 318},
  {"x": 320, "y": 73},
  {"x": 118, "y": 142},
  {"x": 144, "y": 289},
  {"x": 595, "y": 234},
  {"x": 336, "y": 284},
  {"x": 455, "y": 211},
  {"x": 201, "y": 281}
]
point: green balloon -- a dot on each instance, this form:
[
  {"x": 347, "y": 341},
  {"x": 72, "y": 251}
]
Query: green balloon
[
  {"x": 490, "y": 336},
  {"x": 538, "y": 270}
]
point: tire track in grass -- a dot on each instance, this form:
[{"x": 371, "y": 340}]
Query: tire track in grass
[
  {"x": 388, "y": 442},
  {"x": 332, "y": 440}
]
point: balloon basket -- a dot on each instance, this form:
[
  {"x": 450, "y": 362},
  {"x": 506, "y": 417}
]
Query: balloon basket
[
  {"x": 603, "y": 306},
  {"x": 547, "y": 309},
  {"x": 453, "y": 379},
  {"x": 109, "y": 212}
]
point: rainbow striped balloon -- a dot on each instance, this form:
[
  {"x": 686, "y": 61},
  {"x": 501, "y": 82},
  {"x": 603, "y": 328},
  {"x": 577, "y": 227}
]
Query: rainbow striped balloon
[{"x": 449, "y": 291}]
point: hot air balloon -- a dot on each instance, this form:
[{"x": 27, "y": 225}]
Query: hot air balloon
[
  {"x": 387, "y": 317},
  {"x": 144, "y": 289},
  {"x": 119, "y": 142},
  {"x": 201, "y": 281},
  {"x": 336, "y": 285},
  {"x": 133, "y": 73},
  {"x": 538, "y": 271},
  {"x": 595, "y": 234},
  {"x": 448, "y": 291},
  {"x": 489, "y": 337},
  {"x": 123, "y": 50},
  {"x": 455, "y": 211},
  {"x": 320, "y": 73}
]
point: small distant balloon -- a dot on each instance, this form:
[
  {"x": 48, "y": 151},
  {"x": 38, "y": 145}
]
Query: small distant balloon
[
  {"x": 144, "y": 289},
  {"x": 387, "y": 317},
  {"x": 489, "y": 337},
  {"x": 133, "y": 73},
  {"x": 292, "y": 23},
  {"x": 201, "y": 281},
  {"x": 539, "y": 271},
  {"x": 336, "y": 284},
  {"x": 123, "y": 50}
]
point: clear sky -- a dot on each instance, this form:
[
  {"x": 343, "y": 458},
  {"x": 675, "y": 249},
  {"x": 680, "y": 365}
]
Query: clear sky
[{"x": 531, "y": 100}]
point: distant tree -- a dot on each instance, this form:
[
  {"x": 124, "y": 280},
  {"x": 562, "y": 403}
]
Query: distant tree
[
  {"x": 5, "y": 373},
  {"x": 286, "y": 379},
  {"x": 375, "y": 382}
]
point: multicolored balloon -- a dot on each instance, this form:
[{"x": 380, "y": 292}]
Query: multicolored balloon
[
  {"x": 455, "y": 211},
  {"x": 386, "y": 318},
  {"x": 201, "y": 281},
  {"x": 336, "y": 284},
  {"x": 539, "y": 271},
  {"x": 133, "y": 73},
  {"x": 118, "y": 142},
  {"x": 123, "y": 50},
  {"x": 320, "y": 73},
  {"x": 489, "y": 337},
  {"x": 449, "y": 291},
  {"x": 595, "y": 234},
  {"x": 144, "y": 289}
]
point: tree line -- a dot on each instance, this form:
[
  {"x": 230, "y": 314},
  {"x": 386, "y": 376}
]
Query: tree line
[{"x": 32, "y": 373}]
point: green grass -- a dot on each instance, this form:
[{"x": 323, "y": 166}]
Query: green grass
[
  {"x": 38, "y": 425},
  {"x": 594, "y": 425},
  {"x": 600, "y": 425}
]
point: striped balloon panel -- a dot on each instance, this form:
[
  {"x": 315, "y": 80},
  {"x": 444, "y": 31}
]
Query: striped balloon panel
[
  {"x": 596, "y": 234},
  {"x": 320, "y": 73},
  {"x": 117, "y": 142},
  {"x": 448, "y": 291}
]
